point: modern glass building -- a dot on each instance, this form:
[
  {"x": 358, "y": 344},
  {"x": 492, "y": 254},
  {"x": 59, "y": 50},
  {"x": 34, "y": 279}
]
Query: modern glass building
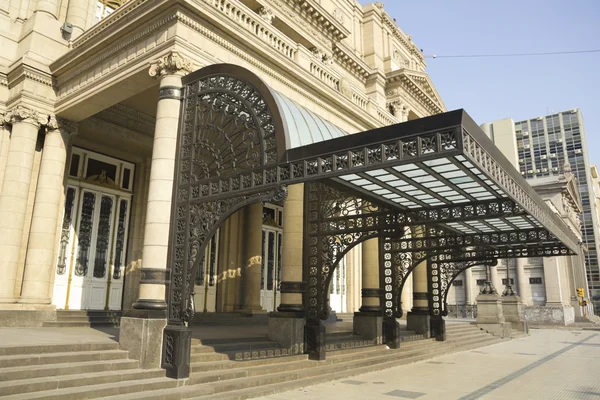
[{"x": 543, "y": 146}]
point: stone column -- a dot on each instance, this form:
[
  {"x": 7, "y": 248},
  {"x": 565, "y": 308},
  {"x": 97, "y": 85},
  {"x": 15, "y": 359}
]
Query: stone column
[
  {"x": 418, "y": 318},
  {"x": 552, "y": 281},
  {"x": 368, "y": 321},
  {"x": 523, "y": 287},
  {"x": 142, "y": 330},
  {"x": 40, "y": 258},
  {"x": 287, "y": 325},
  {"x": 406, "y": 296},
  {"x": 370, "y": 293},
  {"x": 291, "y": 271},
  {"x": 169, "y": 70},
  {"x": 15, "y": 191},
  {"x": 496, "y": 280},
  {"x": 77, "y": 11},
  {"x": 48, "y": 6},
  {"x": 252, "y": 262},
  {"x": 469, "y": 286}
]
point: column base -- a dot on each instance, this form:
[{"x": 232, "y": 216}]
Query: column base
[
  {"x": 287, "y": 329},
  {"x": 419, "y": 321},
  {"x": 143, "y": 338},
  {"x": 251, "y": 310},
  {"x": 34, "y": 300},
  {"x": 291, "y": 308},
  {"x": 369, "y": 325},
  {"x": 150, "y": 304},
  {"x": 314, "y": 340},
  {"x": 8, "y": 299}
]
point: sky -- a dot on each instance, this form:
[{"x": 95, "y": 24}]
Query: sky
[{"x": 518, "y": 87}]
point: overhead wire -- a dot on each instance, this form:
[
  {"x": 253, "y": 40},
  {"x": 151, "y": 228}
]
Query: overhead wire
[{"x": 513, "y": 54}]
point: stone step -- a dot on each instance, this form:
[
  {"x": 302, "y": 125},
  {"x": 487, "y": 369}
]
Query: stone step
[
  {"x": 76, "y": 380},
  {"x": 82, "y": 324},
  {"x": 211, "y": 342},
  {"x": 57, "y": 348},
  {"x": 243, "y": 371},
  {"x": 99, "y": 390},
  {"x": 229, "y": 364},
  {"x": 243, "y": 382},
  {"x": 247, "y": 346},
  {"x": 39, "y": 371},
  {"x": 89, "y": 318},
  {"x": 318, "y": 375},
  {"x": 58, "y": 358},
  {"x": 204, "y": 357}
]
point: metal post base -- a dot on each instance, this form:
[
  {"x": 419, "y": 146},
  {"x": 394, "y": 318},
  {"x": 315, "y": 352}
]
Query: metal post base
[
  {"x": 391, "y": 333},
  {"x": 438, "y": 328},
  {"x": 177, "y": 343},
  {"x": 314, "y": 340}
]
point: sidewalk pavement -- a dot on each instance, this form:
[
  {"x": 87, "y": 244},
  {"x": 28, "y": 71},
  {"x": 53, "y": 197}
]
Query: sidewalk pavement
[{"x": 549, "y": 364}]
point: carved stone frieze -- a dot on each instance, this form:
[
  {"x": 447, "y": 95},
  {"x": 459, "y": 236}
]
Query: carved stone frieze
[
  {"x": 25, "y": 114},
  {"x": 170, "y": 64}
]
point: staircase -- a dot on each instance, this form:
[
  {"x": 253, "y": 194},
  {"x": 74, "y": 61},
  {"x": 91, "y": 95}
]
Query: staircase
[
  {"x": 73, "y": 371},
  {"x": 219, "y": 370},
  {"x": 84, "y": 318}
]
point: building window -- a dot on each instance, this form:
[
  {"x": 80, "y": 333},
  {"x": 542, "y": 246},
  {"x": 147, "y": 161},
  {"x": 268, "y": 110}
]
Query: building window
[
  {"x": 481, "y": 282},
  {"x": 457, "y": 283},
  {"x": 535, "y": 281},
  {"x": 512, "y": 281}
]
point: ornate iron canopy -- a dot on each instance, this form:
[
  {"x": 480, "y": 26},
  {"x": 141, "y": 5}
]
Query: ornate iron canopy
[{"x": 241, "y": 142}]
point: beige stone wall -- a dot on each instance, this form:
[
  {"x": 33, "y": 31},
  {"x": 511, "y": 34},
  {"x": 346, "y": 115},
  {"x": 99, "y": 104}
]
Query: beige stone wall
[{"x": 348, "y": 63}]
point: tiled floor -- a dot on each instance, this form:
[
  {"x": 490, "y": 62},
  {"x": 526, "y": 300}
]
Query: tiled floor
[{"x": 549, "y": 364}]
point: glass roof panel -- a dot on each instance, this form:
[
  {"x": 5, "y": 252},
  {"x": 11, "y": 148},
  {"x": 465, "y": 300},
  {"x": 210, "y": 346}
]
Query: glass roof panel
[{"x": 407, "y": 167}]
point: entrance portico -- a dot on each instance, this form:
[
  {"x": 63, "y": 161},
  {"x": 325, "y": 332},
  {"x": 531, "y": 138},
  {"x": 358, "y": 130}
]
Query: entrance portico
[{"x": 439, "y": 178}]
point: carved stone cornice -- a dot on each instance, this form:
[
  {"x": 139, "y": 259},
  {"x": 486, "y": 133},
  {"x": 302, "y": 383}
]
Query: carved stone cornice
[
  {"x": 24, "y": 72},
  {"x": 346, "y": 57},
  {"x": 170, "y": 64},
  {"x": 65, "y": 126},
  {"x": 312, "y": 18},
  {"x": 399, "y": 79},
  {"x": 25, "y": 114}
]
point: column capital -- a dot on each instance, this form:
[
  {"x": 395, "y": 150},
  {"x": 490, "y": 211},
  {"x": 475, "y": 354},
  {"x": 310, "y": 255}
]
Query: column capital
[
  {"x": 173, "y": 63},
  {"x": 63, "y": 125},
  {"x": 25, "y": 114}
]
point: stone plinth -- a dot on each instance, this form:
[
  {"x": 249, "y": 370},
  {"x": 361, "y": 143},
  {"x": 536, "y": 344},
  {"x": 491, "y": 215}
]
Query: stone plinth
[
  {"x": 143, "y": 338},
  {"x": 490, "y": 317},
  {"x": 369, "y": 326},
  {"x": 513, "y": 313},
  {"x": 489, "y": 309},
  {"x": 287, "y": 329}
]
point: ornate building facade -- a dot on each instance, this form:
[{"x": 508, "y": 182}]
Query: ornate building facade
[{"x": 89, "y": 105}]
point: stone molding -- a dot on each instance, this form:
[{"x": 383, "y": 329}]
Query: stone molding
[
  {"x": 80, "y": 77},
  {"x": 25, "y": 114},
  {"x": 372, "y": 292},
  {"x": 65, "y": 126},
  {"x": 172, "y": 63},
  {"x": 129, "y": 118}
]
